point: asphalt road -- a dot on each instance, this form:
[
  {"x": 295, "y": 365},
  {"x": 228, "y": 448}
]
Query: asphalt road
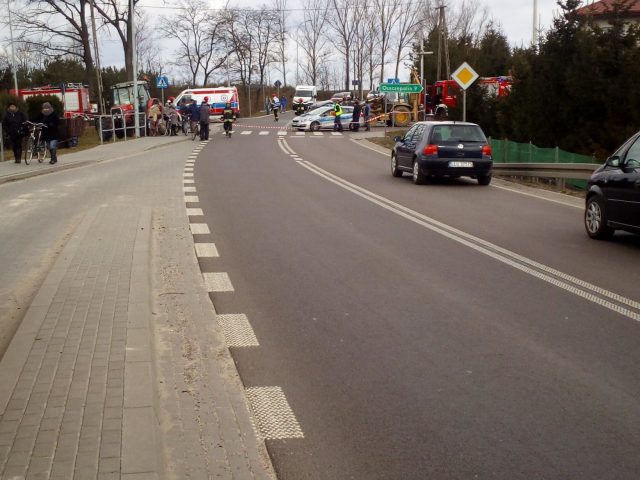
[{"x": 448, "y": 331}]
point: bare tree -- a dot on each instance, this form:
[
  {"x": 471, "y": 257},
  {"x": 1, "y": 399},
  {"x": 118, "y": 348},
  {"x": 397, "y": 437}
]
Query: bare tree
[
  {"x": 280, "y": 6},
  {"x": 343, "y": 22},
  {"x": 363, "y": 45},
  {"x": 239, "y": 31},
  {"x": 200, "y": 36},
  {"x": 57, "y": 28},
  {"x": 311, "y": 38},
  {"x": 387, "y": 12},
  {"x": 147, "y": 46},
  {"x": 263, "y": 22},
  {"x": 469, "y": 20},
  {"x": 408, "y": 26},
  {"x": 116, "y": 15}
]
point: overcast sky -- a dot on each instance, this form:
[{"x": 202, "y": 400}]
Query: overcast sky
[{"x": 514, "y": 16}]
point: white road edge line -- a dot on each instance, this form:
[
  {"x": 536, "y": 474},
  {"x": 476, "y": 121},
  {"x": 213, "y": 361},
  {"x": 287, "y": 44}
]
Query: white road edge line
[
  {"x": 217, "y": 282},
  {"x": 485, "y": 247},
  {"x": 275, "y": 418},
  {"x": 206, "y": 250}
]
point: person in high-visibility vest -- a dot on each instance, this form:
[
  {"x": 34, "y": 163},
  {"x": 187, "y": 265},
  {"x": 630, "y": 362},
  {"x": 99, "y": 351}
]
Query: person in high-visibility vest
[{"x": 338, "y": 111}]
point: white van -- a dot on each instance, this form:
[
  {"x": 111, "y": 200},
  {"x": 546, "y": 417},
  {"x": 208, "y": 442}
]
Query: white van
[{"x": 308, "y": 94}]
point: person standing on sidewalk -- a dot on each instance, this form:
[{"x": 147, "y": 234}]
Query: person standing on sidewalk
[
  {"x": 12, "y": 125},
  {"x": 154, "y": 115},
  {"x": 205, "y": 112},
  {"x": 50, "y": 131}
]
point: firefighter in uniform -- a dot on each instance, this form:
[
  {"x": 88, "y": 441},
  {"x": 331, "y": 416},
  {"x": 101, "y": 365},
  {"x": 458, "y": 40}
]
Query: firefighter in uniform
[{"x": 228, "y": 116}]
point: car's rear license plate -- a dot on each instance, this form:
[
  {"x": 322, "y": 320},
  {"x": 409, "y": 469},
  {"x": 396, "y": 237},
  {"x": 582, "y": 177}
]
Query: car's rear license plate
[{"x": 461, "y": 164}]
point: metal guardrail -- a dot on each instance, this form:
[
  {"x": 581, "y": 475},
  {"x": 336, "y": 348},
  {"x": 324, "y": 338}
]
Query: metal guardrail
[{"x": 578, "y": 171}]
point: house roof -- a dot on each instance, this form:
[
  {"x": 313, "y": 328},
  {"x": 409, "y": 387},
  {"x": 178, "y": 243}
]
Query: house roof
[{"x": 604, "y": 7}]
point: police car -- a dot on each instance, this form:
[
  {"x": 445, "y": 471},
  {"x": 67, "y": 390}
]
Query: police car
[{"x": 321, "y": 119}]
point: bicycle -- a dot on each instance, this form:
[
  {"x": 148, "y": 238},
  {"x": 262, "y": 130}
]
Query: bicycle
[
  {"x": 35, "y": 145},
  {"x": 195, "y": 129}
]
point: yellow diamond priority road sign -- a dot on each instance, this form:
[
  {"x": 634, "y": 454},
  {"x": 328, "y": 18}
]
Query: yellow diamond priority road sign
[{"x": 465, "y": 76}]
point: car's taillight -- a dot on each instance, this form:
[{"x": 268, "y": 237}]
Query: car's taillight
[
  {"x": 430, "y": 149},
  {"x": 486, "y": 150}
]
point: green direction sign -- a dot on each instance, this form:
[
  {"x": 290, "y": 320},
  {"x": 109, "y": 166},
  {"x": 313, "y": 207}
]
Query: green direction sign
[{"x": 401, "y": 87}]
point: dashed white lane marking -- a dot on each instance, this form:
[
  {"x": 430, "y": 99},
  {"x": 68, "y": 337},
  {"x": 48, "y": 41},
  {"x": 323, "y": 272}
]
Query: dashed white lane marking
[
  {"x": 191, "y": 199},
  {"x": 282, "y": 133},
  {"x": 336, "y": 134},
  {"x": 206, "y": 250},
  {"x": 194, "y": 212},
  {"x": 217, "y": 282},
  {"x": 187, "y": 175},
  {"x": 273, "y": 414},
  {"x": 237, "y": 330},
  {"x": 189, "y": 189},
  {"x": 318, "y": 134},
  {"x": 199, "y": 228},
  {"x": 188, "y": 181},
  {"x": 264, "y": 133},
  {"x": 300, "y": 134},
  {"x": 246, "y": 132}
]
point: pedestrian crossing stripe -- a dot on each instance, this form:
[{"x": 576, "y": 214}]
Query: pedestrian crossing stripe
[{"x": 285, "y": 133}]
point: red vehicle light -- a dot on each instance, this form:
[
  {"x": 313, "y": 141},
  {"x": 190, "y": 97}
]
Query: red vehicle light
[
  {"x": 430, "y": 149},
  {"x": 486, "y": 150}
]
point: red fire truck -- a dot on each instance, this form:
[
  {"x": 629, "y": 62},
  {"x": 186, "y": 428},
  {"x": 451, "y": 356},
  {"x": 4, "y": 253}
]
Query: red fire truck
[{"x": 74, "y": 97}]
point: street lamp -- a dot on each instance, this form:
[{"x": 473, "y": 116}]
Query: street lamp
[
  {"x": 134, "y": 62},
  {"x": 422, "y": 53},
  {"x": 13, "y": 50}
]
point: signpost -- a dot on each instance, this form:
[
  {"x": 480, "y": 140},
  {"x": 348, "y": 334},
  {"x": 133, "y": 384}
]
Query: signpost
[
  {"x": 464, "y": 76},
  {"x": 278, "y": 84},
  {"x": 393, "y": 80},
  {"x": 401, "y": 87},
  {"x": 162, "y": 83}
]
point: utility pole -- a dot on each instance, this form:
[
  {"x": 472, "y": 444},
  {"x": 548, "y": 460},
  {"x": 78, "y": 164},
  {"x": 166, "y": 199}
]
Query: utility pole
[
  {"x": 534, "y": 37},
  {"x": 101, "y": 110},
  {"x": 13, "y": 50},
  {"x": 134, "y": 62},
  {"x": 443, "y": 40}
]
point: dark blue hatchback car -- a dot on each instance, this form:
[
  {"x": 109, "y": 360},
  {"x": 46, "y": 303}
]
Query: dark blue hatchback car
[
  {"x": 613, "y": 193},
  {"x": 438, "y": 149}
]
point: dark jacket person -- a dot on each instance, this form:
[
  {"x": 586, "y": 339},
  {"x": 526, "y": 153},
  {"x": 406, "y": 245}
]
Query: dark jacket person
[
  {"x": 50, "y": 132},
  {"x": 12, "y": 125}
]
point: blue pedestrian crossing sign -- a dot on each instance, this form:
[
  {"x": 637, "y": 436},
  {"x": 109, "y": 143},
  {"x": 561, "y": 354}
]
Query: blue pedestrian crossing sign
[{"x": 162, "y": 82}]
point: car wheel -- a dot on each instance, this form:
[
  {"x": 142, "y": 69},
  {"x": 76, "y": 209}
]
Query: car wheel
[
  {"x": 484, "y": 179},
  {"x": 418, "y": 176},
  {"x": 395, "y": 171},
  {"x": 595, "y": 219},
  {"x": 314, "y": 127}
]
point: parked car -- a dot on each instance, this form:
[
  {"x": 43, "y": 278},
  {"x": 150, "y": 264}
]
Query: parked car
[
  {"x": 439, "y": 149},
  {"x": 322, "y": 118},
  {"x": 613, "y": 193}
]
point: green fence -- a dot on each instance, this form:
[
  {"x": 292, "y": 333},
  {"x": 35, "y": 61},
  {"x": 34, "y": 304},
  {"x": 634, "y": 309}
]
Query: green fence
[{"x": 506, "y": 151}]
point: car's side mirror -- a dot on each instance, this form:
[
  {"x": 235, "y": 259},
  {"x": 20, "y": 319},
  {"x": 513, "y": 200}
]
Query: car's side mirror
[
  {"x": 613, "y": 161},
  {"x": 398, "y": 139}
]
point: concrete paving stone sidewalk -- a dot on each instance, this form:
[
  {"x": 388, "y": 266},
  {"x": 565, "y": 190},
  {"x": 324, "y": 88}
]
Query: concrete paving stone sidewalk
[
  {"x": 10, "y": 171},
  {"x": 119, "y": 369}
]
